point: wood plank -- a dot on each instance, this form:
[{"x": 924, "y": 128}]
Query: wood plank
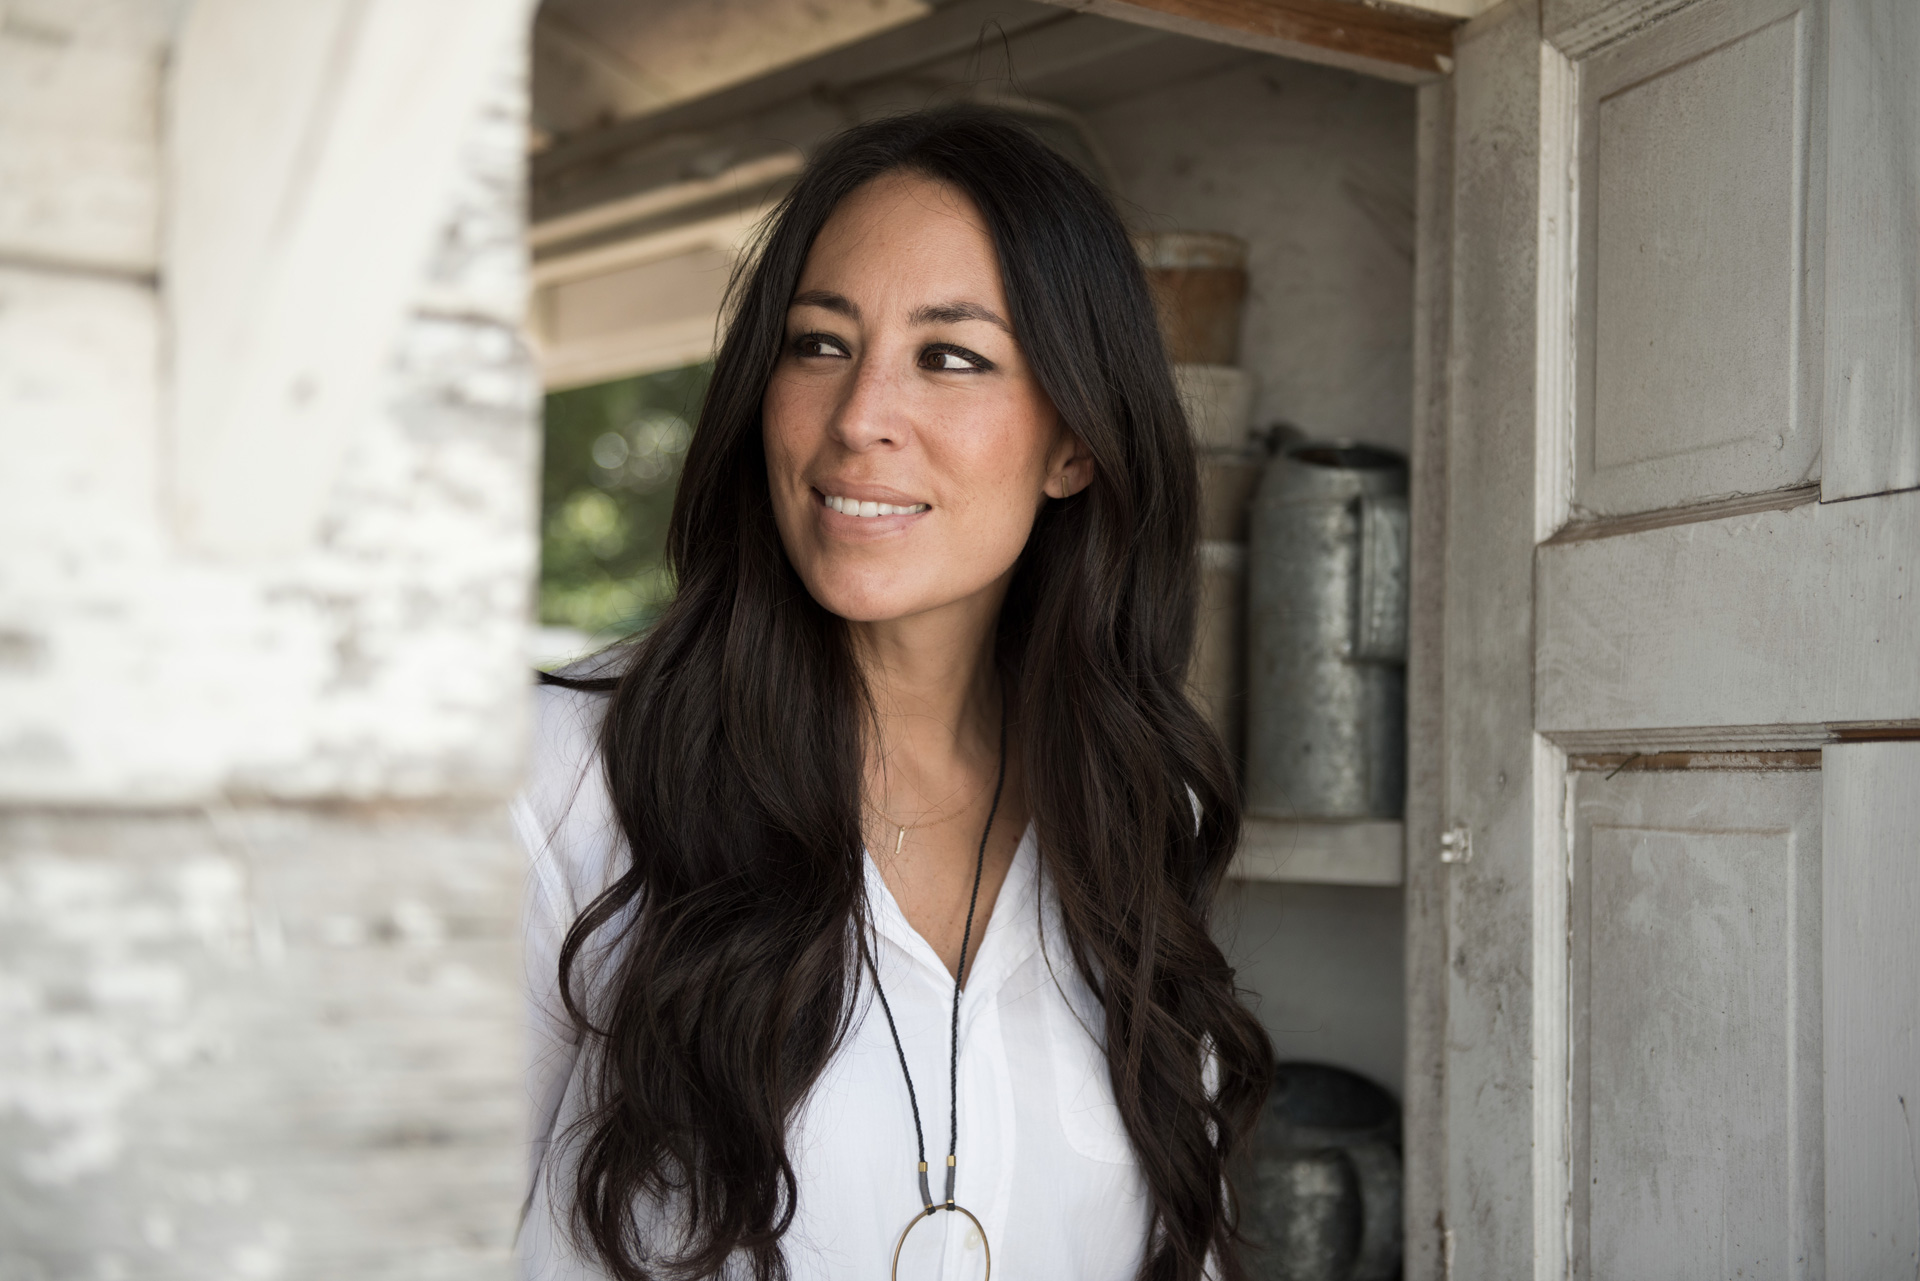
[
  {"x": 1423, "y": 1090},
  {"x": 1790, "y": 618},
  {"x": 1488, "y": 1223},
  {"x": 1326, "y": 853},
  {"x": 1872, "y": 430},
  {"x": 1578, "y": 27},
  {"x": 1382, "y": 40},
  {"x": 288, "y": 292},
  {"x": 793, "y": 105},
  {"x": 1871, "y": 899},
  {"x": 80, "y": 112}
]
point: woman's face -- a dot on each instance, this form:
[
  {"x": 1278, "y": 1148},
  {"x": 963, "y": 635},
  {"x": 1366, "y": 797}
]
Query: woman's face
[{"x": 908, "y": 443}]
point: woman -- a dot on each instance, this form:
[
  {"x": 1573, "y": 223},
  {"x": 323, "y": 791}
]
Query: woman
[{"x": 915, "y": 715}]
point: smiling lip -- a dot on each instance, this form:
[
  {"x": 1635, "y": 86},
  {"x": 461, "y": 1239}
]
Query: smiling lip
[{"x": 866, "y": 503}]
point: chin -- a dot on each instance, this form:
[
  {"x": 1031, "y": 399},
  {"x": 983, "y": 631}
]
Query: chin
[
  {"x": 867, "y": 596},
  {"x": 865, "y": 603}
]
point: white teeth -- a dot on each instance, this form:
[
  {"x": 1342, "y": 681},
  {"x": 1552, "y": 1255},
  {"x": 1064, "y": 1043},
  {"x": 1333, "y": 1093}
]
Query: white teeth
[{"x": 854, "y": 507}]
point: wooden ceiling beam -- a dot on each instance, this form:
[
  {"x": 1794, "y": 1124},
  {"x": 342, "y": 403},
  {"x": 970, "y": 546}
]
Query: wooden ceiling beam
[{"x": 1398, "y": 42}]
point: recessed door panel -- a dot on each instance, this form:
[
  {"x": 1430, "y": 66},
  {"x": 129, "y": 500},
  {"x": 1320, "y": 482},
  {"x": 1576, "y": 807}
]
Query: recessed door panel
[
  {"x": 1695, "y": 991},
  {"x": 1692, "y": 205}
]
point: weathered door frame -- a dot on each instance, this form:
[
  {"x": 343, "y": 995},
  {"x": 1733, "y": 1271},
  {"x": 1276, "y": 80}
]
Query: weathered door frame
[{"x": 1495, "y": 708}]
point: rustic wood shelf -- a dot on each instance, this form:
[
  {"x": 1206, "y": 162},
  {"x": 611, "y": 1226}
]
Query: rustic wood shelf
[{"x": 1349, "y": 852}]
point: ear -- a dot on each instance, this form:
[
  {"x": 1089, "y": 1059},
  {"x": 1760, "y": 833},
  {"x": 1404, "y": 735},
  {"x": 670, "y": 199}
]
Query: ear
[{"x": 1069, "y": 466}]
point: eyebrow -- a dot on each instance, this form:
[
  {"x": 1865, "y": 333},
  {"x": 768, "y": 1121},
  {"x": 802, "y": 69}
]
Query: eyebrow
[
  {"x": 938, "y": 313},
  {"x": 947, "y": 313},
  {"x": 827, "y": 300}
]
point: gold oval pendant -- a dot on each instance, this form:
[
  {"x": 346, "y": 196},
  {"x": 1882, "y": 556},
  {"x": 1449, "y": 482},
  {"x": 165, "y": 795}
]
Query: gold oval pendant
[{"x": 914, "y": 1222}]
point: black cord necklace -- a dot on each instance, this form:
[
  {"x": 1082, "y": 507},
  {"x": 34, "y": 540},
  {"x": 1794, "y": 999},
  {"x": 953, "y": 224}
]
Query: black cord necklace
[{"x": 953, "y": 1044}]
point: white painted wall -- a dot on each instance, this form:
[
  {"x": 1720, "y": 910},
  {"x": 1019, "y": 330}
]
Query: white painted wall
[
  {"x": 1323, "y": 965},
  {"x": 1314, "y": 168},
  {"x": 320, "y": 594},
  {"x": 267, "y": 455}
]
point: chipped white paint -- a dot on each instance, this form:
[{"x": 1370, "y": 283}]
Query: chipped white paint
[
  {"x": 258, "y": 1043},
  {"x": 383, "y": 658},
  {"x": 80, "y": 89},
  {"x": 252, "y": 1041},
  {"x": 287, "y": 291},
  {"x": 1726, "y": 401},
  {"x": 1695, "y": 1115},
  {"x": 98, "y": 1006}
]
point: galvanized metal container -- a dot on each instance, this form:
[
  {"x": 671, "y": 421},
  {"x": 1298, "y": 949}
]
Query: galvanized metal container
[
  {"x": 1327, "y": 634},
  {"x": 1322, "y": 1179}
]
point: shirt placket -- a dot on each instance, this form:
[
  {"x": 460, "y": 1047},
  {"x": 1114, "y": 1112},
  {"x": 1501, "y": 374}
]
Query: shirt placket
[{"x": 984, "y": 1177}]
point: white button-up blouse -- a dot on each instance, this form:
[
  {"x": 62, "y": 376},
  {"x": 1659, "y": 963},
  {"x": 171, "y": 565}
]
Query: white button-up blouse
[{"x": 1044, "y": 1160}]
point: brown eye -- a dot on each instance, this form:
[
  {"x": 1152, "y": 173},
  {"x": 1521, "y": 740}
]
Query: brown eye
[
  {"x": 948, "y": 358},
  {"x": 818, "y": 345}
]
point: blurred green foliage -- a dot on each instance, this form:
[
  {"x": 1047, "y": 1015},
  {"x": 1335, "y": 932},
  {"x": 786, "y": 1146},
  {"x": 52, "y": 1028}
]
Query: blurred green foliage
[{"x": 613, "y": 456}]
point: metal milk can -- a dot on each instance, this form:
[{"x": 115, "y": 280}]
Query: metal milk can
[{"x": 1327, "y": 634}]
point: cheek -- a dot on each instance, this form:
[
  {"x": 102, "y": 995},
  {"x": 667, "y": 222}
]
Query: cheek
[
  {"x": 789, "y": 433},
  {"x": 779, "y": 415},
  {"x": 1004, "y": 472}
]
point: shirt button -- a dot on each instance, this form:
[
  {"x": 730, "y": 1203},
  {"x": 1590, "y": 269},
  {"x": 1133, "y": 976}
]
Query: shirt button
[{"x": 973, "y": 1238}]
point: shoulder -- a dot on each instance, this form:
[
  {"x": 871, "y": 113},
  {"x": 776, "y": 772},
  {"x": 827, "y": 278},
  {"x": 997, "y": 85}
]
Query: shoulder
[{"x": 563, "y": 815}]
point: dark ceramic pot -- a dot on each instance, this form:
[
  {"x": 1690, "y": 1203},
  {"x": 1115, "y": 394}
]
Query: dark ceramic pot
[{"x": 1322, "y": 1184}]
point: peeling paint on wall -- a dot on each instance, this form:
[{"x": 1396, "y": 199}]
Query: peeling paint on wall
[
  {"x": 242, "y": 1039},
  {"x": 387, "y": 659},
  {"x": 258, "y": 1043}
]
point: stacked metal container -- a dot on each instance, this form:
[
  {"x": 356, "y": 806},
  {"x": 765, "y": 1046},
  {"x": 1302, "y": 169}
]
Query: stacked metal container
[{"x": 1327, "y": 628}]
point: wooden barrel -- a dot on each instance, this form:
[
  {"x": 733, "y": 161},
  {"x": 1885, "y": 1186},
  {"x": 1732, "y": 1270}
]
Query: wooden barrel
[{"x": 1199, "y": 283}]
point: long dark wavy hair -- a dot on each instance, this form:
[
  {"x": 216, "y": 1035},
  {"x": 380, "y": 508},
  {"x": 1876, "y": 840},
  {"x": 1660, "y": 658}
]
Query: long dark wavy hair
[{"x": 734, "y": 742}]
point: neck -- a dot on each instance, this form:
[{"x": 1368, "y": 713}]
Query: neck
[{"x": 936, "y": 698}]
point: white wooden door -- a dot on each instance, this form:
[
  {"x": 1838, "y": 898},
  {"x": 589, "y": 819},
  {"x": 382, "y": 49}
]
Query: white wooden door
[{"x": 1666, "y": 989}]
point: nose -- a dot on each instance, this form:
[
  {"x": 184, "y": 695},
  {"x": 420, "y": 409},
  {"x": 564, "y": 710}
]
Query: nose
[{"x": 873, "y": 413}]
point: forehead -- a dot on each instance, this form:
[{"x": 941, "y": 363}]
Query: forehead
[{"x": 905, "y": 234}]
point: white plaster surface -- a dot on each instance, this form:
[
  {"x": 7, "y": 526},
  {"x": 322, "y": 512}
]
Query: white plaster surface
[
  {"x": 80, "y": 84},
  {"x": 385, "y": 658},
  {"x": 1314, "y": 168},
  {"x": 258, "y": 1043},
  {"x": 240, "y": 1038}
]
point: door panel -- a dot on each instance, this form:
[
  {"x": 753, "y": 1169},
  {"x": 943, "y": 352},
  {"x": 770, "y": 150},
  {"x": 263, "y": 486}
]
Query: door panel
[
  {"x": 1872, "y": 1009},
  {"x": 1873, "y": 250},
  {"x": 1692, "y": 196},
  {"x": 1695, "y": 986},
  {"x": 1639, "y": 392},
  {"x": 1782, "y": 619}
]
